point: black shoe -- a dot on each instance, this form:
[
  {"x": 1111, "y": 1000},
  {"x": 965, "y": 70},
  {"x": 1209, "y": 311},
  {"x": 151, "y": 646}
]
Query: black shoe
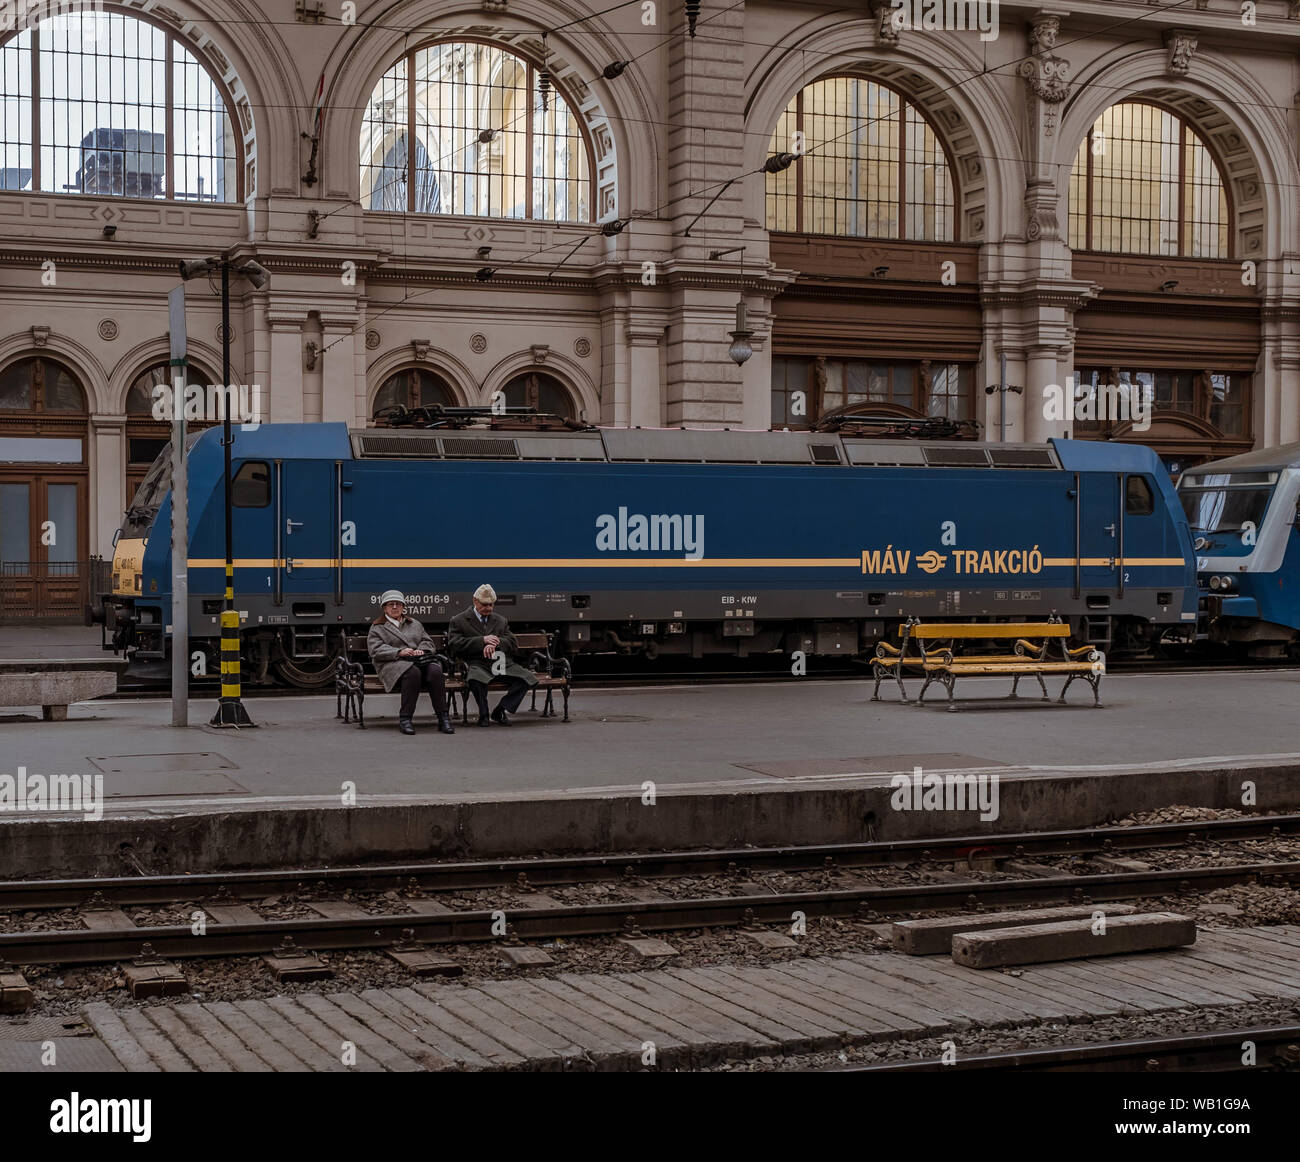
[
  {"x": 500, "y": 717},
  {"x": 483, "y": 717},
  {"x": 404, "y": 725},
  {"x": 444, "y": 725}
]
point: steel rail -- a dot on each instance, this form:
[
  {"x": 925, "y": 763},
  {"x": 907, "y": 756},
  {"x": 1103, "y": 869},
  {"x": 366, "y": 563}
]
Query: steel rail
[
  {"x": 1221, "y": 1051},
  {"x": 97, "y": 946},
  {"x": 467, "y": 875}
]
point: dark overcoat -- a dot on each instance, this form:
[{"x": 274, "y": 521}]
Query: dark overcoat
[
  {"x": 385, "y": 640},
  {"x": 465, "y": 636}
]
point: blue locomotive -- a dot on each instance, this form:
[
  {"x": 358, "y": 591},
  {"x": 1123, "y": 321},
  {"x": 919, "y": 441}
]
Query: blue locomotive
[
  {"x": 651, "y": 541},
  {"x": 1243, "y": 512}
]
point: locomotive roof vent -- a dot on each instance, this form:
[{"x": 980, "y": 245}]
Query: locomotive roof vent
[
  {"x": 412, "y": 445},
  {"x": 883, "y": 453},
  {"x": 824, "y": 454},
  {"x": 481, "y": 447},
  {"x": 1022, "y": 457},
  {"x": 955, "y": 456}
]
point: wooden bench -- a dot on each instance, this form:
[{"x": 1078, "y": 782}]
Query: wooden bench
[
  {"x": 54, "y": 684},
  {"x": 352, "y": 682},
  {"x": 1031, "y": 653}
]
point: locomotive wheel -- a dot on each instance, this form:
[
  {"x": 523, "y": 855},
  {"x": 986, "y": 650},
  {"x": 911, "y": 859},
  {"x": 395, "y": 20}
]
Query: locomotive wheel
[{"x": 313, "y": 675}]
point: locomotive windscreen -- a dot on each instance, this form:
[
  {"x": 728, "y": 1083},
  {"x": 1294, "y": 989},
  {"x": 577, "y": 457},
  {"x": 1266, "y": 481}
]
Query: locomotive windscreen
[{"x": 1224, "y": 502}]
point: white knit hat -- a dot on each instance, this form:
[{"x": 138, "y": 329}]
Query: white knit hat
[
  {"x": 486, "y": 594},
  {"x": 392, "y": 595}
]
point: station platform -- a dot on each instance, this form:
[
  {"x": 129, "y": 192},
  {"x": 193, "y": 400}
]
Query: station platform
[{"x": 798, "y": 761}]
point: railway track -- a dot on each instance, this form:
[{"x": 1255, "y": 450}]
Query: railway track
[
  {"x": 109, "y": 934},
  {"x": 1277, "y": 1048}
]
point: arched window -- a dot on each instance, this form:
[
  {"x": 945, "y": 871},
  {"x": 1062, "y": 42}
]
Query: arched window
[
  {"x": 467, "y": 121},
  {"x": 107, "y": 103},
  {"x": 874, "y": 168},
  {"x": 43, "y": 489},
  {"x": 806, "y": 389},
  {"x": 413, "y": 387},
  {"x": 1144, "y": 182},
  {"x": 147, "y": 437},
  {"x": 536, "y": 389}
]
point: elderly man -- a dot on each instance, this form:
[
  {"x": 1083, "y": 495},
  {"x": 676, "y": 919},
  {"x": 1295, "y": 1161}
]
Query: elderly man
[
  {"x": 400, "y": 649},
  {"x": 482, "y": 637}
]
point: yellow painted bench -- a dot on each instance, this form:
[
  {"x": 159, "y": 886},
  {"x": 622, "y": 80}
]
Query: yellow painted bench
[{"x": 929, "y": 649}]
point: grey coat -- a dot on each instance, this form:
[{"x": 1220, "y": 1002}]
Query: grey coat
[
  {"x": 465, "y": 636},
  {"x": 384, "y": 642}
]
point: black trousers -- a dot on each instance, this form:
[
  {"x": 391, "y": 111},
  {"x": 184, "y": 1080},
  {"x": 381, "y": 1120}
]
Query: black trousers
[
  {"x": 510, "y": 700},
  {"x": 422, "y": 677}
]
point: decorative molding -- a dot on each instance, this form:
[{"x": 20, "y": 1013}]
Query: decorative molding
[
  {"x": 108, "y": 329},
  {"x": 313, "y": 353},
  {"x": 1181, "y": 44},
  {"x": 40, "y": 336},
  {"x": 582, "y": 347},
  {"x": 373, "y": 339},
  {"x": 1046, "y": 75},
  {"x": 494, "y": 5},
  {"x": 889, "y": 22},
  {"x": 478, "y": 343},
  {"x": 221, "y": 333}
]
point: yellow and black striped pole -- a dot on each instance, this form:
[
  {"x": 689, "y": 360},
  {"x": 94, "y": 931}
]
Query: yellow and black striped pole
[{"x": 230, "y": 710}]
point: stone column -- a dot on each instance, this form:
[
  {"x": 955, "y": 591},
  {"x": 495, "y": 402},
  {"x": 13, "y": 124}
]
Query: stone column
[
  {"x": 107, "y": 493},
  {"x": 1040, "y": 371},
  {"x": 284, "y": 386},
  {"x": 339, "y": 341},
  {"x": 706, "y": 111},
  {"x": 645, "y": 344}
]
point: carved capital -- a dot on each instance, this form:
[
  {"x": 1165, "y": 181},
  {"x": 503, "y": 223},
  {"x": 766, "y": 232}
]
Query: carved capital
[{"x": 1181, "y": 45}]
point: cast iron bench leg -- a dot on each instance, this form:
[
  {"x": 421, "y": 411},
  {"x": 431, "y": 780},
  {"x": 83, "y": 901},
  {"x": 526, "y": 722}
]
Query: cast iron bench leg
[{"x": 1041, "y": 686}]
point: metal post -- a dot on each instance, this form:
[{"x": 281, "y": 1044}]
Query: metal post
[
  {"x": 180, "y": 516},
  {"x": 1002, "y": 399},
  {"x": 230, "y": 710}
]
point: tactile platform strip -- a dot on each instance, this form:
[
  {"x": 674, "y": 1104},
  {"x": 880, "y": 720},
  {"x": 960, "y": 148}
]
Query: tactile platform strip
[{"x": 867, "y": 765}]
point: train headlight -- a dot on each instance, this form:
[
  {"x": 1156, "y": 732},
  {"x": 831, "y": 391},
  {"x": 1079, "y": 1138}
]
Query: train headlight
[
  {"x": 1225, "y": 582},
  {"x": 1215, "y": 582}
]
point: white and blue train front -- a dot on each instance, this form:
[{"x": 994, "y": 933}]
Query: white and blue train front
[{"x": 1243, "y": 515}]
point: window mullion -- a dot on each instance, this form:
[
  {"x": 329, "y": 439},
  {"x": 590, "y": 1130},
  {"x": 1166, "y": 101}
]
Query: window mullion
[
  {"x": 410, "y": 132},
  {"x": 36, "y": 108},
  {"x": 528, "y": 140},
  {"x": 902, "y": 166},
  {"x": 169, "y": 123},
  {"x": 799, "y": 169},
  {"x": 1182, "y": 186}
]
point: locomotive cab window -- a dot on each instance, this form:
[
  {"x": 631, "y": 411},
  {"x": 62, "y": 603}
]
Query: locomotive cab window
[
  {"x": 251, "y": 487},
  {"x": 1138, "y": 500}
]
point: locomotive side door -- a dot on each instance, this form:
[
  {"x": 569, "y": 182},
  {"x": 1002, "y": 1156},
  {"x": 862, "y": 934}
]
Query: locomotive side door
[
  {"x": 1100, "y": 523},
  {"x": 307, "y": 525}
]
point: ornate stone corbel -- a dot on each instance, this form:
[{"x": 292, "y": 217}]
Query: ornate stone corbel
[
  {"x": 1045, "y": 73},
  {"x": 889, "y": 21},
  {"x": 1181, "y": 44},
  {"x": 421, "y": 349},
  {"x": 494, "y": 5},
  {"x": 313, "y": 353},
  {"x": 540, "y": 352},
  {"x": 1040, "y": 210},
  {"x": 40, "y": 336}
]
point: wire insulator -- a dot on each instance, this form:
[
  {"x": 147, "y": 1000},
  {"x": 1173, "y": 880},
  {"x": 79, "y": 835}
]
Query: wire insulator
[{"x": 692, "y": 15}]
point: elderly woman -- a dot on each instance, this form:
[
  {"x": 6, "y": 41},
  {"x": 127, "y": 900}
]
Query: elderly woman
[
  {"x": 482, "y": 637},
  {"x": 398, "y": 646}
]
